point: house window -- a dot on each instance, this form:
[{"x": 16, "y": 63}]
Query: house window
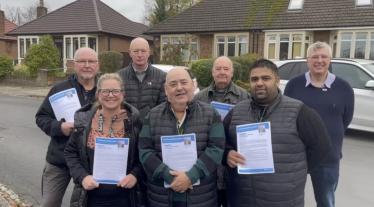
[
  {"x": 345, "y": 45},
  {"x": 296, "y": 46},
  {"x": 360, "y": 46},
  {"x": 307, "y": 44},
  {"x": 25, "y": 44},
  {"x": 231, "y": 45},
  {"x": 371, "y": 56},
  {"x": 271, "y": 46},
  {"x": 220, "y": 46},
  {"x": 334, "y": 44},
  {"x": 360, "y": 3},
  {"x": 176, "y": 40},
  {"x": 283, "y": 47},
  {"x": 242, "y": 45},
  {"x": 295, "y": 5},
  {"x": 73, "y": 43}
]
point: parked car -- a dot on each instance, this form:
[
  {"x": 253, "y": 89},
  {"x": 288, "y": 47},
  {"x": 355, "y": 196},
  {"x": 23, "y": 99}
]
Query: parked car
[
  {"x": 359, "y": 73},
  {"x": 167, "y": 68}
]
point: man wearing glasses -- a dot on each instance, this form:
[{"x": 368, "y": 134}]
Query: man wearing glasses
[
  {"x": 144, "y": 84},
  {"x": 56, "y": 176},
  {"x": 333, "y": 99}
]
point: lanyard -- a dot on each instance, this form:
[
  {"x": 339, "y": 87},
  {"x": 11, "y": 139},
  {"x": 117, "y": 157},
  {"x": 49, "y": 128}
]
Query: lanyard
[{"x": 101, "y": 121}]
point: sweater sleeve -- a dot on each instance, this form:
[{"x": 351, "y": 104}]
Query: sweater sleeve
[
  {"x": 154, "y": 167},
  {"x": 348, "y": 108},
  {"x": 314, "y": 135},
  {"x": 211, "y": 158}
]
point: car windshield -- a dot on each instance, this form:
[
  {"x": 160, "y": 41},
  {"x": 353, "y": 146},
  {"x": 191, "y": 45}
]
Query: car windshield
[{"x": 369, "y": 67}]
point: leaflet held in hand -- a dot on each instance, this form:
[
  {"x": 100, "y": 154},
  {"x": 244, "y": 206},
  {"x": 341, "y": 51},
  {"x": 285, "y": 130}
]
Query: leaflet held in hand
[
  {"x": 110, "y": 162},
  {"x": 222, "y": 108},
  {"x": 179, "y": 152},
  {"x": 254, "y": 143},
  {"x": 65, "y": 104}
]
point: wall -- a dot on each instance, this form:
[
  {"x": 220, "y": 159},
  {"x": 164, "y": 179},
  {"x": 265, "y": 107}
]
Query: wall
[
  {"x": 206, "y": 42},
  {"x": 9, "y": 48},
  {"x": 322, "y": 36}
]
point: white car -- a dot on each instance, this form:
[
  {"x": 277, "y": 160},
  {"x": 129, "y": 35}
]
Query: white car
[
  {"x": 359, "y": 73},
  {"x": 167, "y": 68}
]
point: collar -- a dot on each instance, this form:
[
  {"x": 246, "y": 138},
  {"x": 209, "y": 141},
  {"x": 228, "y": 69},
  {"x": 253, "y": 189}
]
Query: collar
[
  {"x": 329, "y": 80},
  {"x": 184, "y": 116},
  {"x": 136, "y": 71},
  {"x": 231, "y": 88}
]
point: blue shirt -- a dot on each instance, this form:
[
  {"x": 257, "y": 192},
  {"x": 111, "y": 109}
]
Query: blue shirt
[{"x": 329, "y": 80}]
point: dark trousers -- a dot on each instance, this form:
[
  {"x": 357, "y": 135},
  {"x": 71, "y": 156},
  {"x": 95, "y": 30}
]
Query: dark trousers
[
  {"x": 222, "y": 199},
  {"x": 55, "y": 180},
  {"x": 325, "y": 181},
  {"x": 179, "y": 204}
]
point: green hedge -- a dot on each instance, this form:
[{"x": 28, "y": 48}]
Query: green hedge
[
  {"x": 110, "y": 61},
  {"x": 6, "y": 65},
  {"x": 246, "y": 60},
  {"x": 202, "y": 69},
  {"x": 44, "y": 55}
]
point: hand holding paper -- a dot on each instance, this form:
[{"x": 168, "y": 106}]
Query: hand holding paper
[
  {"x": 128, "y": 182},
  {"x": 89, "y": 183},
  {"x": 234, "y": 158},
  {"x": 66, "y": 128},
  {"x": 181, "y": 182}
]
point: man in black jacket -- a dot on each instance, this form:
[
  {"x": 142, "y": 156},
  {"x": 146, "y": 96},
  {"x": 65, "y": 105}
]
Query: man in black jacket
[
  {"x": 144, "y": 84},
  {"x": 182, "y": 114},
  {"x": 299, "y": 140},
  {"x": 56, "y": 176}
]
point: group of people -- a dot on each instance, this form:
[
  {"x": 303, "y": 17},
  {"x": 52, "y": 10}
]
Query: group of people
[{"x": 143, "y": 103}]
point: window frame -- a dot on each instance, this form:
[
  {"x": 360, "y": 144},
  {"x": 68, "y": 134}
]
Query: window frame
[
  {"x": 79, "y": 38},
  {"x": 353, "y": 42},
  {"x": 180, "y": 37},
  {"x": 364, "y": 5},
  {"x": 300, "y": 8},
  {"x": 24, "y": 45},
  {"x": 277, "y": 42},
  {"x": 226, "y": 35}
]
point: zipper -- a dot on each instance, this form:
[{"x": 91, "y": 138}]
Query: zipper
[{"x": 263, "y": 114}]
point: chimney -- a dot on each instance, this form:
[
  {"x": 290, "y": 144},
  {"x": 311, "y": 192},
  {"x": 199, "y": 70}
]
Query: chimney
[
  {"x": 2, "y": 23},
  {"x": 41, "y": 10}
]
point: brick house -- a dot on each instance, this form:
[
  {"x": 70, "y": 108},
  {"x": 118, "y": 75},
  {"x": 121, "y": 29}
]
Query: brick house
[
  {"x": 278, "y": 30},
  {"x": 8, "y": 44},
  {"x": 79, "y": 24}
]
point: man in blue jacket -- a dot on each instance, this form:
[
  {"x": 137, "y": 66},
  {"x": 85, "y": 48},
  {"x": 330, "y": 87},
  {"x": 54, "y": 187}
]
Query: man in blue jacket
[{"x": 333, "y": 99}]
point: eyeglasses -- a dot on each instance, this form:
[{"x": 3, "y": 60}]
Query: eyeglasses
[
  {"x": 316, "y": 57},
  {"x": 83, "y": 62},
  {"x": 106, "y": 92}
]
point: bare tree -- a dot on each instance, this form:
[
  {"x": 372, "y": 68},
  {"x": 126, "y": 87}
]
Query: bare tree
[
  {"x": 22, "y": 15},
  {"x": 12, "y": 14}
]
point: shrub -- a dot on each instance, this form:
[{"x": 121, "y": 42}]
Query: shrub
[
  {"x": 6, "y": 65},
  {"x": 202, "y": 69},
  {"x": 21, "y": 70},
  {"x": 244, "y": 85},
  {"x": 246, "y": 60},
  {"x": 44, "y": 55},
  {"x": 110, "y": 61}
]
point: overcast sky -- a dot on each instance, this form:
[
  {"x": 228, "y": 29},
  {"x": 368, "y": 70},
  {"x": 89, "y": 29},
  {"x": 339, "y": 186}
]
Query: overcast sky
[{"x": 131, "y": 9}]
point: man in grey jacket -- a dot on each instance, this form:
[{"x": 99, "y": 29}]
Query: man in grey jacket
[{"x": 222, "y": 90}]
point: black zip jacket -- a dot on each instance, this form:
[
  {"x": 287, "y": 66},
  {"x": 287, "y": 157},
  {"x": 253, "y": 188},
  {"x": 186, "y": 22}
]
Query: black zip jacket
[
  {"x": 47, "y": 122},
  {"x": 77, "y": 158}
]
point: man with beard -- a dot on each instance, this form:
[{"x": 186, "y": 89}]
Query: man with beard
[
  {"x": 182, "y": 114},
  {"x": 333, "y": 99},
  {"x": 222, "y": 90},
  {"x": 144, "y": 84},
  {"x": 299, "y": 140},
  {"x": 56, "y": 175}
]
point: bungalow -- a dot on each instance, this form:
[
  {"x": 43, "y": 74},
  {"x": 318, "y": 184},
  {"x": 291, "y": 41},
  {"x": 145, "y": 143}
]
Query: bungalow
[
  {"x": 276, "y": 29},
  {"x": 82, "y": 23}
]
